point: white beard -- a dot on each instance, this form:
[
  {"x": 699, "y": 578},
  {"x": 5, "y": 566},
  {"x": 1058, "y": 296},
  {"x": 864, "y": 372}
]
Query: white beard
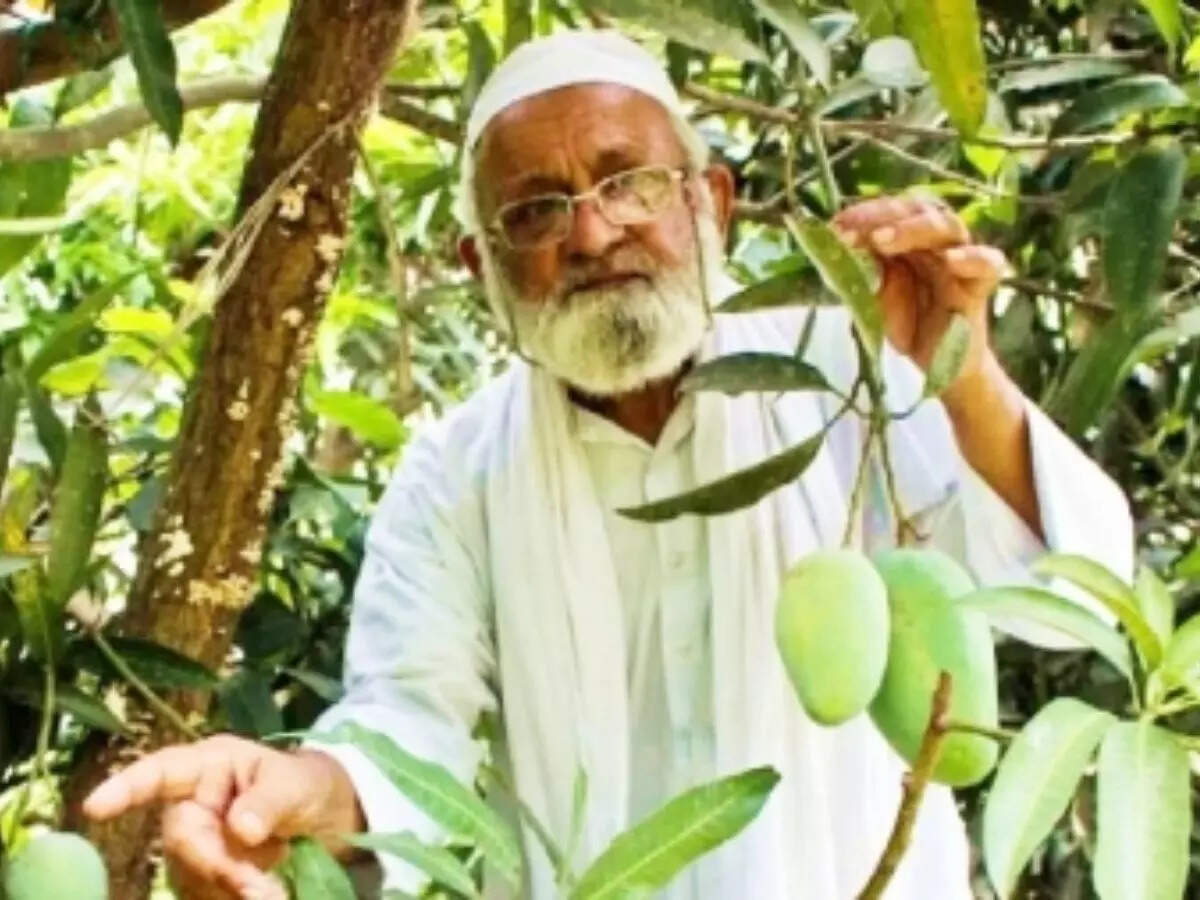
[{"x": 612, "y": 340}]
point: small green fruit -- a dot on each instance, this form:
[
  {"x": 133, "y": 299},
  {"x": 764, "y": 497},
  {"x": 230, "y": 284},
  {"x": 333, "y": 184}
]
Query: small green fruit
[
  {"x": 56, "y": 866},
  {"x": 831, "y": 627},
  {"x": 931, "y": 634}
]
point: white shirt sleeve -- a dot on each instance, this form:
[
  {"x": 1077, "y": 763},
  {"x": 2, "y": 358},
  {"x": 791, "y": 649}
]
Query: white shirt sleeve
[{"x": 418, "y": 655}]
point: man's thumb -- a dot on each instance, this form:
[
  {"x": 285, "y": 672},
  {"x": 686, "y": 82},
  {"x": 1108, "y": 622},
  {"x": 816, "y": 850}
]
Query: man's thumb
[{"x": 268, "y": 805}]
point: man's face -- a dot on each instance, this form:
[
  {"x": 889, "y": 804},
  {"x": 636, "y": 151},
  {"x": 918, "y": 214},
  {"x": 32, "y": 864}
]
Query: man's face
[{"x": 608, "y": 307}]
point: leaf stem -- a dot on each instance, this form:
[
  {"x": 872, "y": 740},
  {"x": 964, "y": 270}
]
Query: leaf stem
[
  {"x": 152, "y": 699},
  {"x": 996, "y": 734},
  {"x": 915, "y": 783}
]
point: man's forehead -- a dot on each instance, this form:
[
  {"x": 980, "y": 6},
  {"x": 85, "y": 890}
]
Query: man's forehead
[{"x": 583, "y": 121}]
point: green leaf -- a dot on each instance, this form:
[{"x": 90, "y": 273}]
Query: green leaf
[
  {"x": 81, "y": 88},
  {"x": 156, "y": 665},
  {"x": 438, "y": 793},
  {"x": 40, "y": 624},
  {"x": 1109, "y": 590},
  {"x": 789, "y": 289},
  {"x": 30, "y": 190},
  {"x": 69, "y": 335},
  {"x": 1098, "y": 371},
  {"x": 655, "y": 850},
  {"x": 844, "y": 273},
  {"x": 949, "y": 356},
  {"x": 1166, "y": 16},
  {"x": 322, "y": 685},
  {"x": 51, "y": 432},
  {"x": 1182, "y": 656},
  {"x": 1139, "y": 217},
  {"x": 76, "y": 376},
  {"x": 1039, "y": 77},
  {"x": 687, "y": 22},
  {"x": 752, "y": 371},
  {"x": 11, "y": 563},
  {"x": 1144, "y": 816},
  {"x": 876, "y": 18},
  {"x": 70, "y": 700},
  {"x": 946, "y": 34},
  {"x": 1034, "y": 784},
  {"x": 248, "y": 704},
  {"x": 153, "y": 55},
  {"x": 78, "y": 498},
  {"x": 518, "y": 23},
  {"x": 315, "y": 874},
  {"x": 741, "y": 489},
  {"x": 367, "y": 418},
  {"x": 1056, "y": 613},
  {"x": 10, "y": 407},
  {"x": 1155, "y": 602},
  {"x": 441, "y": 865},
  {"x": 1104, "y": 105},
  {"x": 1188, "y": 566},
  {"x": 481, "y": 59},
  {"x": 785, "y": 16}
]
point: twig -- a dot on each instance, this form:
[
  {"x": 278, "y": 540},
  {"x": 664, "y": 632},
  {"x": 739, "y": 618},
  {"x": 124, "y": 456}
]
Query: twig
[
  {"x": 1031, "y": 286},
  {"x": 152, "y": 699},
  {"x": 393, "y": 106},
  {"x": 914, "y": 788},
  {"x": 860, "y": 482}
]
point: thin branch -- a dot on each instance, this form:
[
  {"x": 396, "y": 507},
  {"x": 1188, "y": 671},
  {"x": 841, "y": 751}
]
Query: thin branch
[
  {"x": 914, "y": 788},
  {"x": 27, "y": 144},
  {"x": 996, "y": 734},
  {"x": 423, "y": 91},
  {"x": 1037, "y": 288}
]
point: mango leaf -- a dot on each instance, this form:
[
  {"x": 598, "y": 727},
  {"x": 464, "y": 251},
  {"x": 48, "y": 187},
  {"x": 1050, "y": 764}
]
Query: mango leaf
[
  {"x": 1144, "y": 816},
  {"x": 69, "y": 336},
  {"x": 946, "y": 34},
  {"x": 1109, "y": 590},
  {"x": 785, "y": 16},
  {"x": 10, "y": 407},
  {"x": 518, "y": 23},
  {"x": 741, "y": 489},
  {"x": 81, "y": 88},
  {"x": 481, "y": 59},
  {"x": 367, "y": 418},
  {"x": 1188, "y": 566},
  {"x": 78, "y": 498},
  {"x": 844, "y": 273},
  {"x": 153, "y": 55},
  {"x": 76, "y": 376},
  {"x": 876, "y": 18},
  {"x": 1039, "y": 77},
  {"x": 1155, "y": 602},
  {"x": 248, "y": 704},
  {"x": 1139, "y": 217},
  {"x": 949, "y": 356},
  {"x": 70, "y": 700},
  {"x": 752, "y": 371},
  {"x": 1179, "y": 329},
  {"x": 687, "y": 22},
  {"x": 1104, "y": 105},
  {"x": 323, "y": 686},
  {"x": 1034, "y": 784},
  {"x": 30, "y": 190},
  {"x": 315, "y": 874},
  {"x": 1099, "y": 370},
  {"x": 789, "y": 289},
  {"x": 1056, "y": 613},
  {"x": 40, "y": 624},
  {"x": 156, "y": 665},
  {"x": 441, "y": 865},
  {"x": 11, "y": 563},
  {"x": 655, "y": 850},
  {"x": 51, "y": 432},
  {"x": 1182, "y": 656},
  {"x": 438, "y": 793},
  {"x": 1166, "y": 16}
]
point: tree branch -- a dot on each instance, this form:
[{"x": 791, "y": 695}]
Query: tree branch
[
  {"x": 34, "y": 54},
  {"x": 914, "y": 788},
  {"x": 27, "y": 144}
]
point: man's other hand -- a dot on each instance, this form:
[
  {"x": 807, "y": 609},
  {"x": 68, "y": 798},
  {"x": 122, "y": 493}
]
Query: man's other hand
[{"x": 231, "y": 806}]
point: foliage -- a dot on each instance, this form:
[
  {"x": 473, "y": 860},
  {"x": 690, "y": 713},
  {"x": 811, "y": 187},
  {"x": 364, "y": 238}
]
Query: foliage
[{"x": 1062, "y": 130}]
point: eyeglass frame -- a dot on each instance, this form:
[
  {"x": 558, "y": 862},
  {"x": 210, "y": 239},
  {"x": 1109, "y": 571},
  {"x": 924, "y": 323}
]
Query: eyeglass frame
[{"x": 678, "y": 175}]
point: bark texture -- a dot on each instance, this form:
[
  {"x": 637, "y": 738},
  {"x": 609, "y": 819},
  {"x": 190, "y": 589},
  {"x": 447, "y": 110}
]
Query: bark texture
[
  {"x": 198, "y": 567},
  {"x": 46, "y": 51}
]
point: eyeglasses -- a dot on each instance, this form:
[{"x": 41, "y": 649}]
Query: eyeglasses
[{"x": 625, "y": 198}]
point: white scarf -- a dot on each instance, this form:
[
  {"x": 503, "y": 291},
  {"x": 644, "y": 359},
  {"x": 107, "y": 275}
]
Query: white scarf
[{"x": 562, "y": 654}]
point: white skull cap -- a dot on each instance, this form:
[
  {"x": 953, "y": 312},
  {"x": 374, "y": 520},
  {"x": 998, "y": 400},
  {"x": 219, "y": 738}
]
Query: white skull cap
[{"x": 565, "y": 58}]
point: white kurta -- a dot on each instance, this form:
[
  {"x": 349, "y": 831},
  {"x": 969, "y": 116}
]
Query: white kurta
[{"x": 422, "y": 660}]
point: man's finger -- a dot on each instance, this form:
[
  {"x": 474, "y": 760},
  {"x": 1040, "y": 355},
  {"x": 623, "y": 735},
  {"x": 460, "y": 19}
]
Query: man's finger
[
  {"x": 868, "y": 215},
  {"x": 932, "y": 228},
  {"x": 169, "y": 774},
  {"x": 273, "y": 800},
  {"x": 976, "y": 261},
  {"x": 194, "y": 839}
]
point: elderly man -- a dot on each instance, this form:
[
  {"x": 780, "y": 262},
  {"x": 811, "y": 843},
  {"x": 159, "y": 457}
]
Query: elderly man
[{"x": 499, "y": 578}]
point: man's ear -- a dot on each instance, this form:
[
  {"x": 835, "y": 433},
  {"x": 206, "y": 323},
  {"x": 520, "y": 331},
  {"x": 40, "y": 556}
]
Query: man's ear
[
  {"x": 720, "y": 185},
  {"x": 468, "y": 252}
]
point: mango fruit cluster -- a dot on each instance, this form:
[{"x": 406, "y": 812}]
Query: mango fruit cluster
[{"x": 872, "y": 635}]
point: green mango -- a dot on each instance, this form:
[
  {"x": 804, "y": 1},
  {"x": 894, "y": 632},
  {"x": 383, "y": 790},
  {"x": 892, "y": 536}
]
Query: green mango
[
  {"x": 831, "y": 627},
  {"x": 931, "y": 634},
  {"x": 57, "y": 864}
]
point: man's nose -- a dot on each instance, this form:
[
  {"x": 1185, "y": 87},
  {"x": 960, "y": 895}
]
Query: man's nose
[{"x": 591, "y": 234}]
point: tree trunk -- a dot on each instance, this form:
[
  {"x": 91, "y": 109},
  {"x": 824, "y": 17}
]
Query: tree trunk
[
  {"x": 50, "y": 50},
  {"x": 198, "y": 567}
]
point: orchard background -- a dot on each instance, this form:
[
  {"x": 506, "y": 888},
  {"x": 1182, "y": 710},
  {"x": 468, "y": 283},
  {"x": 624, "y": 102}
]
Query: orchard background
[{"x": 230, "y": 265}]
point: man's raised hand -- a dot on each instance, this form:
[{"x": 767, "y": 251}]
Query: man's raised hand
[{"x": 232, "y": 804}]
